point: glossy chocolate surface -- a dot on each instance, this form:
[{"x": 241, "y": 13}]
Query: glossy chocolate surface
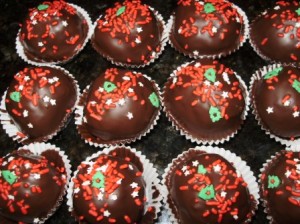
[
  {"x": 280, "y": 187},
  {"x": 39, "y": 100},
  {"x": 53, "y": 31},
  {"x": 275, "y": 34},
  {"x": 276, "y": 97},
  {"x": 206, "y": 28}
]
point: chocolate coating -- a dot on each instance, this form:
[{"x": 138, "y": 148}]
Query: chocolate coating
[
  {"x": 39, "y": 100},
  {"x": 207, "y": 28},
  {"x": 128, "y": 33},
  {"x": 275, "y": 34},
  {"x": 280, "y": 188},
  {"x": 31, "y": 186},
  {"x": 109, "y": 188},
  {"x": 53, "y": 32},
  {"x": 276, "y": 100},
  {"x": 121, "y": 105},
  {"x": 206, "y": 188},
  {"x": 205, "y": 100}
]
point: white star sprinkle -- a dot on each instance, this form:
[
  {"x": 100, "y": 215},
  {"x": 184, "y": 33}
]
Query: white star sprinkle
[
  {"x": 30, "y": 125},
  {"x": 25, "y": 113},
  {"x": 34, "y": 22},
  {"x": 129, "y": 115},
  {"x": 226, "y": 78},
  {"x": 217, "y": 168},
  {"x": 100, "y": 196},
  {"x": 288, "y": 173},
  {"x": 206, "y": 83},
  {"x": 196, "y": 53},
  {"x": 184, "y": 168},
  {"x": 119, "y": 181},
  {"x": 195, "y": 163},
  {"x": 133, "y": 185},
  {"x": 103, "y": 168},
  {"x": 51, "y": 81},
  {"x": 225, "y": 94},
  {"x": 93, "y": 102},
  {"x": 21, "y": 87},
  {"x": 135, "y": 194},
  {"x": 287, "y": 103},
  {"x": 27, "y": 165},
  {"x": 270, "y": 110},
  {"x": 298, "y": 166},
  {"x": 137, "y": 40},
  {"x": 130, "y": 167},
  {"x": 237, "y": 19},
  {"x": 179, "y": 30},
  {"x": 139, "y": 29},
  {"x": 277, "y": 7},
  {"x": 296, "y": 114},
  {"x": 214, "y": 29},
  {"x": 36, "y": 220},
  {"x": 46, "y": 99},
  {"x": 36, "y": 176},
  {"x": 130, "y": 90},
  {"x": 55, "y": 79},
  {"x": 197, "y": 65},
  {"x": 40, "y": 44},
  {"x": 121, "y": 102},
  {"x": 186, "y": 173},
  {"x": 297, "y": 24},
  {"x": 106, "y": 213},
  {"x": 296, "y": 160},
  {"x": 45, "y": 15},
  {"x": 65, "y": 23},
  {"x": 76, "y": 190},
  {"x": 11, "y": 197},
  {"x": 127, "y": 78},
  {"x": 53, "y": 102},
  {"x": 10, "y": 158},
  {"x": 100, "y": 89},
  {"x": 86, "y": 183},
  {"x": 108, "y": 102},
  {"x": 223, "y": 194},
  {"x": 235, "y": 217},
  {"x": 113, "y": 197},
  {"x": 26, "y": 78},
  {"x": 217, "y": 83},
  {"x": 140, "y": 84}
]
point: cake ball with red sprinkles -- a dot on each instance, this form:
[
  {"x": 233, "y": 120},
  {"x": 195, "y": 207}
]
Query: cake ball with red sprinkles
[
  {"x": 280, "y": 187},
  {"x": 38, "y": 103},
  {"x": 53, "y": 32},
  {"x": 120, "y": 106},
  {"x": 275, "y": 95},
  {"x": 110, "y": 187},
  {"x": 202, "y": 186},
  {"x": 32, "y": 184},
  {"x": 207, "y": 28},
  {"x": 206, "y": 101},
  {"x": 130, "y": 34},
  {"x": 275, "y": 34}
]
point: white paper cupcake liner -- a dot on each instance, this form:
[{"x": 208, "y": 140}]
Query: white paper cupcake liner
[
  {"x": 215, "y": 56},
  {"x": 186, "y": 134},
  {"x": 12, "y": 129},
  {"x": 38, "y": 149},
  {"x": 262, "y": 170},
  {"x": 21, "y": 52},
  {"x": 92, "y": 140},
  {"x": 150, "y": 176},
  {"x": 241, "y": 167},
  {"x": 257, "y": 76},
  {"x": 155, "y": 55}
]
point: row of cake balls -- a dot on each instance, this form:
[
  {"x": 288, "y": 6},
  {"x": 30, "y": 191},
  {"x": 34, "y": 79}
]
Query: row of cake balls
[
  {"x": 119, "y": 185},
  {"x": 133, "y": 34},
  {"x": 204, "y": 99}
]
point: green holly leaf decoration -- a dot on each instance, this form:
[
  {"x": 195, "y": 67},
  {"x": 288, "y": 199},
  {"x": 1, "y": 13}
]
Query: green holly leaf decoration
[
  {"x": 154, "y": 99},
  {"x": 209, "y": 8},
  {"x": 215, "y": 114},
  {"x": 15, "y": 96},
  {"x": 121, "y": 10},
  {"x": 109, "y": 86},
  {"x": 207, "y": 193},
  {"x": 273, "y": 73},
  {"x": 201, "y": 169},
  {"x": 298, "y": 11},
  {"x": 42, "y": 7},
  {"x": 296, "y": 85},
  {"x": 10, "y": 177},
  {"x": 210, "y": 74},
  {"x": 273, "y": 181},
  {"x": 98, "y": 180}
]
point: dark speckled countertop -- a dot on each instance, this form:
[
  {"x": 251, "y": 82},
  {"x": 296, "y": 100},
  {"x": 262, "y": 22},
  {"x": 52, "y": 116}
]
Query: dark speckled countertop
[{"x": 164, "y": 142}]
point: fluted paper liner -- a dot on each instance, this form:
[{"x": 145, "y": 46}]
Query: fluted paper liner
[
  {"x": 150, "y": 176},
  {"x": 186, "y": 133},
  {"x": 240, "y": 166},
  {"x": 20, "y": 49},
  {"x": 16, "y": 134}
]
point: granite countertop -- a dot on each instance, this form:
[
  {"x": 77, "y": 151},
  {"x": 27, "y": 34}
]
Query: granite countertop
[{"x": 164, "y": 143}]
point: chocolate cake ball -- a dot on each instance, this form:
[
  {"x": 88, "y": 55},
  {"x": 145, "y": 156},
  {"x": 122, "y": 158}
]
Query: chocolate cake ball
[
  {"x": 276, "y": 100},
  {"x": 275, "y": 34},
  {"x": 206, "y": 188},
  {"x": 205, "y": 100},
  {"x": 53, "y": 32},
  {"x": 109, "y": 189},
  {"x": 31, "y": 185},
  {"x": 129, "y": 33},
  {"x": 39, "y": 100},
  {"x": 280, "y": 188},
  {"x": 207, "y": 28},
  {"x": 120, "y": 106}
]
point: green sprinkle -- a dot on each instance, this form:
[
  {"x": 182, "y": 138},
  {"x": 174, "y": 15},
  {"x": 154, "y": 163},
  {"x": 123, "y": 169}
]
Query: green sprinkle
[
  {"x": 209, "y": 8},
  {"x": 109, "y": 86},
  {"x": 15, "y": 96},
  {"x": 10, "y": 177},
  {"x": 201, "y": 169},
  {"x": 272, "y": 73},
  {"x": 298, "y": 11},
  {"x": 121, "y": 10},
  {"x": 296, "y": 85},
  {"x": 98, "y": 180},
  {"x": 273, "y": 181},
  {"x": 207, "y": 193},
  {"x": 154, "y": 99},
  {"x": 42, "y": 7},
  {"x": 210, "y": 74},
  {"x": 215, "y": 114}
]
